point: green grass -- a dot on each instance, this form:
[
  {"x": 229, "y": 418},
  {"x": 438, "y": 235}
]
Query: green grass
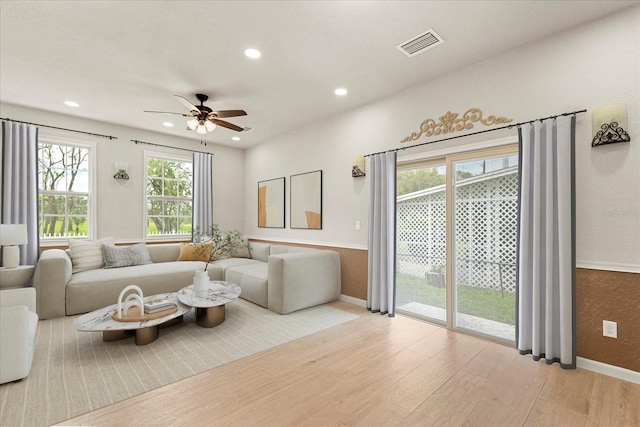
[
  {"x": 81, "y": 230},
  {"x": 485, "y": 303}
]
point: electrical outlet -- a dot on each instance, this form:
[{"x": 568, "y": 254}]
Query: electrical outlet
[
  {"x": 357, "y": 225},
  {"x": 609, "y": 329}
]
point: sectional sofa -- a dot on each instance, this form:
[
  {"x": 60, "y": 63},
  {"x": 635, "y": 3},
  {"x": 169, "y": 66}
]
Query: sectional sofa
[{"x": 281, "y": 278}]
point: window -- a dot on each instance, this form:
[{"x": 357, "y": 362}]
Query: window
[
  {"x": 64, "y": 189},
  {"x": 169, "y": 182}
]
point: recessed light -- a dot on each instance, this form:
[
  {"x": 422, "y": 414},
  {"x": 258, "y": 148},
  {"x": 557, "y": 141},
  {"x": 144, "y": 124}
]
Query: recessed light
[
  {"x": 236, "y": 138},
  {"x": 167, "y": 124},
  {"x": 340, "y": 91},
  {"x": 252, "y": 53},
  {"x": 71, "y": 104}
]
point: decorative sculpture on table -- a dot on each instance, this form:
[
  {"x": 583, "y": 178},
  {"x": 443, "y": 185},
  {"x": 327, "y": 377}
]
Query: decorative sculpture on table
[{"x": 132, "y": 300}]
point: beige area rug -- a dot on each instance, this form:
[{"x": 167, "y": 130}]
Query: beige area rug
[{"x": 75, "y": 372}]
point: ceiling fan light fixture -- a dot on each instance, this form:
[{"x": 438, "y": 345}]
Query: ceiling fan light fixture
[
  {"x": 203, "y": 119},
  {"x": 210, "y": 126},
  {"x": 192, "y": 124}
]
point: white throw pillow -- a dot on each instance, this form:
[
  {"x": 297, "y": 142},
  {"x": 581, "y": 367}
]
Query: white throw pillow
[{"x": 87, "y": 254}]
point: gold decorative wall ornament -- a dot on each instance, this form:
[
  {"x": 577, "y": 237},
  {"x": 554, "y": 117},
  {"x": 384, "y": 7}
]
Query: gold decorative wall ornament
[{"x": 450, "y": 122}]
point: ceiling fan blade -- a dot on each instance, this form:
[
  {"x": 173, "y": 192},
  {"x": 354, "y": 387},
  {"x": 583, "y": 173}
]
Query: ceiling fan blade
[
  {"x": 167, "y": 112},
  {"x": 187, "y": 104},
  {"x": 226, "y": 125},
  {"x": 229, "y": 113}
]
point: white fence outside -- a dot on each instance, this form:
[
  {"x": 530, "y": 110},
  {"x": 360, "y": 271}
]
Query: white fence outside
[{"x": 485, "y": 232}]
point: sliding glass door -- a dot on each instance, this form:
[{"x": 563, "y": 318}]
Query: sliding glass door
[
  {"x": 456, "y": 241},
  {"x": 485, "y": 205},
  {"x": 421, "y": 241}
]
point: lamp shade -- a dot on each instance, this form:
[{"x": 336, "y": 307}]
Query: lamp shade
[
  {"x": 615, "y": 113},
  {"x": 201, "y": 129},
  {"x": 192, "y": 124},
  {"x": 13, "y": 234},
  {"x": 210, "y": 126},
  {"x": 357, "y": 167}
]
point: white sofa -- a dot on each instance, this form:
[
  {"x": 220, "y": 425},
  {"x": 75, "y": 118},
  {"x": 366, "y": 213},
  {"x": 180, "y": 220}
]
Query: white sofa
[
  {"x": 279, "y": 277},
  {"x": 18, "y": 328}
]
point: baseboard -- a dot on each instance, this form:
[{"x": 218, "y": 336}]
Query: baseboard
[
  {"x": 609, "y": 370},
  {"x": 356, "y": 301},
  {"x": 624, "y": 268}
]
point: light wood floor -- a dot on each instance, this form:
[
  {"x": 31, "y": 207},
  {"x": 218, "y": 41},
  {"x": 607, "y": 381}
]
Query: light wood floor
[{"x": 381, "y": 371}]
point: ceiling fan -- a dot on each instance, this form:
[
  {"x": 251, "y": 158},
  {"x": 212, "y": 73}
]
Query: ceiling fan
[{"x": 203, "y": 119}]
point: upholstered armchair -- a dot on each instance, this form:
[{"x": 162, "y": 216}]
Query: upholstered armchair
[{"x": 18, "y": 327}]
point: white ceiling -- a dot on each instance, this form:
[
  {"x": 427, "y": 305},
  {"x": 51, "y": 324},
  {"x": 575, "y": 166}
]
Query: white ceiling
[{"x": 119, "y": 58}]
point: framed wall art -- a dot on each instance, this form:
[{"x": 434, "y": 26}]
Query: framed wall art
[
  {"x": 271, "y": 195},
  {"x": 306, "y": 200}
]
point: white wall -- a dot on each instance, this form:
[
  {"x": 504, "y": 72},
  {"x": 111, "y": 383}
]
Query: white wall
[
  {"x": 120, "y": 213},
  {"x": 587, "y": 67}
]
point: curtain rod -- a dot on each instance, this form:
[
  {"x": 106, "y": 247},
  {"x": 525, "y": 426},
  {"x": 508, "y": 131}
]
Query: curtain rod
[
  {"x": 168, "y": 146},
  {"x": 59, "y": 128},
  {"x": 573, "y": 113}
]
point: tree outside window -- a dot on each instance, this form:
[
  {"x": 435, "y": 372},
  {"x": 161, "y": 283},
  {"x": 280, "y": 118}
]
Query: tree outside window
[
  {"x": 169, "y": 184},
  {"x": 63, "y": 190}
]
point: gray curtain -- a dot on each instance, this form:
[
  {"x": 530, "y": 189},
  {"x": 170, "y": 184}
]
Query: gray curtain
[
  {"x": 381, "y": 285},
  {"x": 20, "y": 183},
  {"x": 545, "y": 320},
  {"x": 202, "y": 191}
]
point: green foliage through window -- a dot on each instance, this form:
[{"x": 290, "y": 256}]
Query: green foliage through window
[
  {"x": 169, "y": 183},
  {"x": 63, "y": 190}
]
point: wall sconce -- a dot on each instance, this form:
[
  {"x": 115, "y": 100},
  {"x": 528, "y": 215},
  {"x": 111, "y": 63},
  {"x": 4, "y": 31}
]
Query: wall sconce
[
  {"x": 609, "y": 124},
  {"x": 121, "y": 171},
  {"x": 121, "y": 174},
  {"x": 357, "y": 167}
]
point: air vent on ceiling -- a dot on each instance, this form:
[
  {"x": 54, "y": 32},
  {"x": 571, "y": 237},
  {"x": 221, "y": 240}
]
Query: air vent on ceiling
[{"x": 420, "y": 43}]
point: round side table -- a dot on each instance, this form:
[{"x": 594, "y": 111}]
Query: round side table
[{"x": 210, "y": 310}]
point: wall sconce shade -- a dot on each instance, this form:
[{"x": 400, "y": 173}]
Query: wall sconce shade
[
  {"x": 357, "y": 167},
  {"x": 121, "y": 174},
  {"x": 121, "y": 170},
  {"x": 12, "y": 235},
  {"x": 609, "y": 125}
]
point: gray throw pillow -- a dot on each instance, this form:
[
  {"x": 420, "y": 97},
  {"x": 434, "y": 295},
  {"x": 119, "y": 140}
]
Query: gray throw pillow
[
  {"x": 241, "y": 251},
  {"x": 125, "y": 256}
]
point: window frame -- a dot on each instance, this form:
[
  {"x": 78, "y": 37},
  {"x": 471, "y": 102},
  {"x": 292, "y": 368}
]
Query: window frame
[
  {"x": 90, "y": 146},
  {"x": 163, "y": 156}
]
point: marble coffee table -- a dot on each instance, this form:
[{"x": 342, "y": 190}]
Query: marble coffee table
[
  {"x": 145, "y": 332},
  {"x": 210, "y": 310}
]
